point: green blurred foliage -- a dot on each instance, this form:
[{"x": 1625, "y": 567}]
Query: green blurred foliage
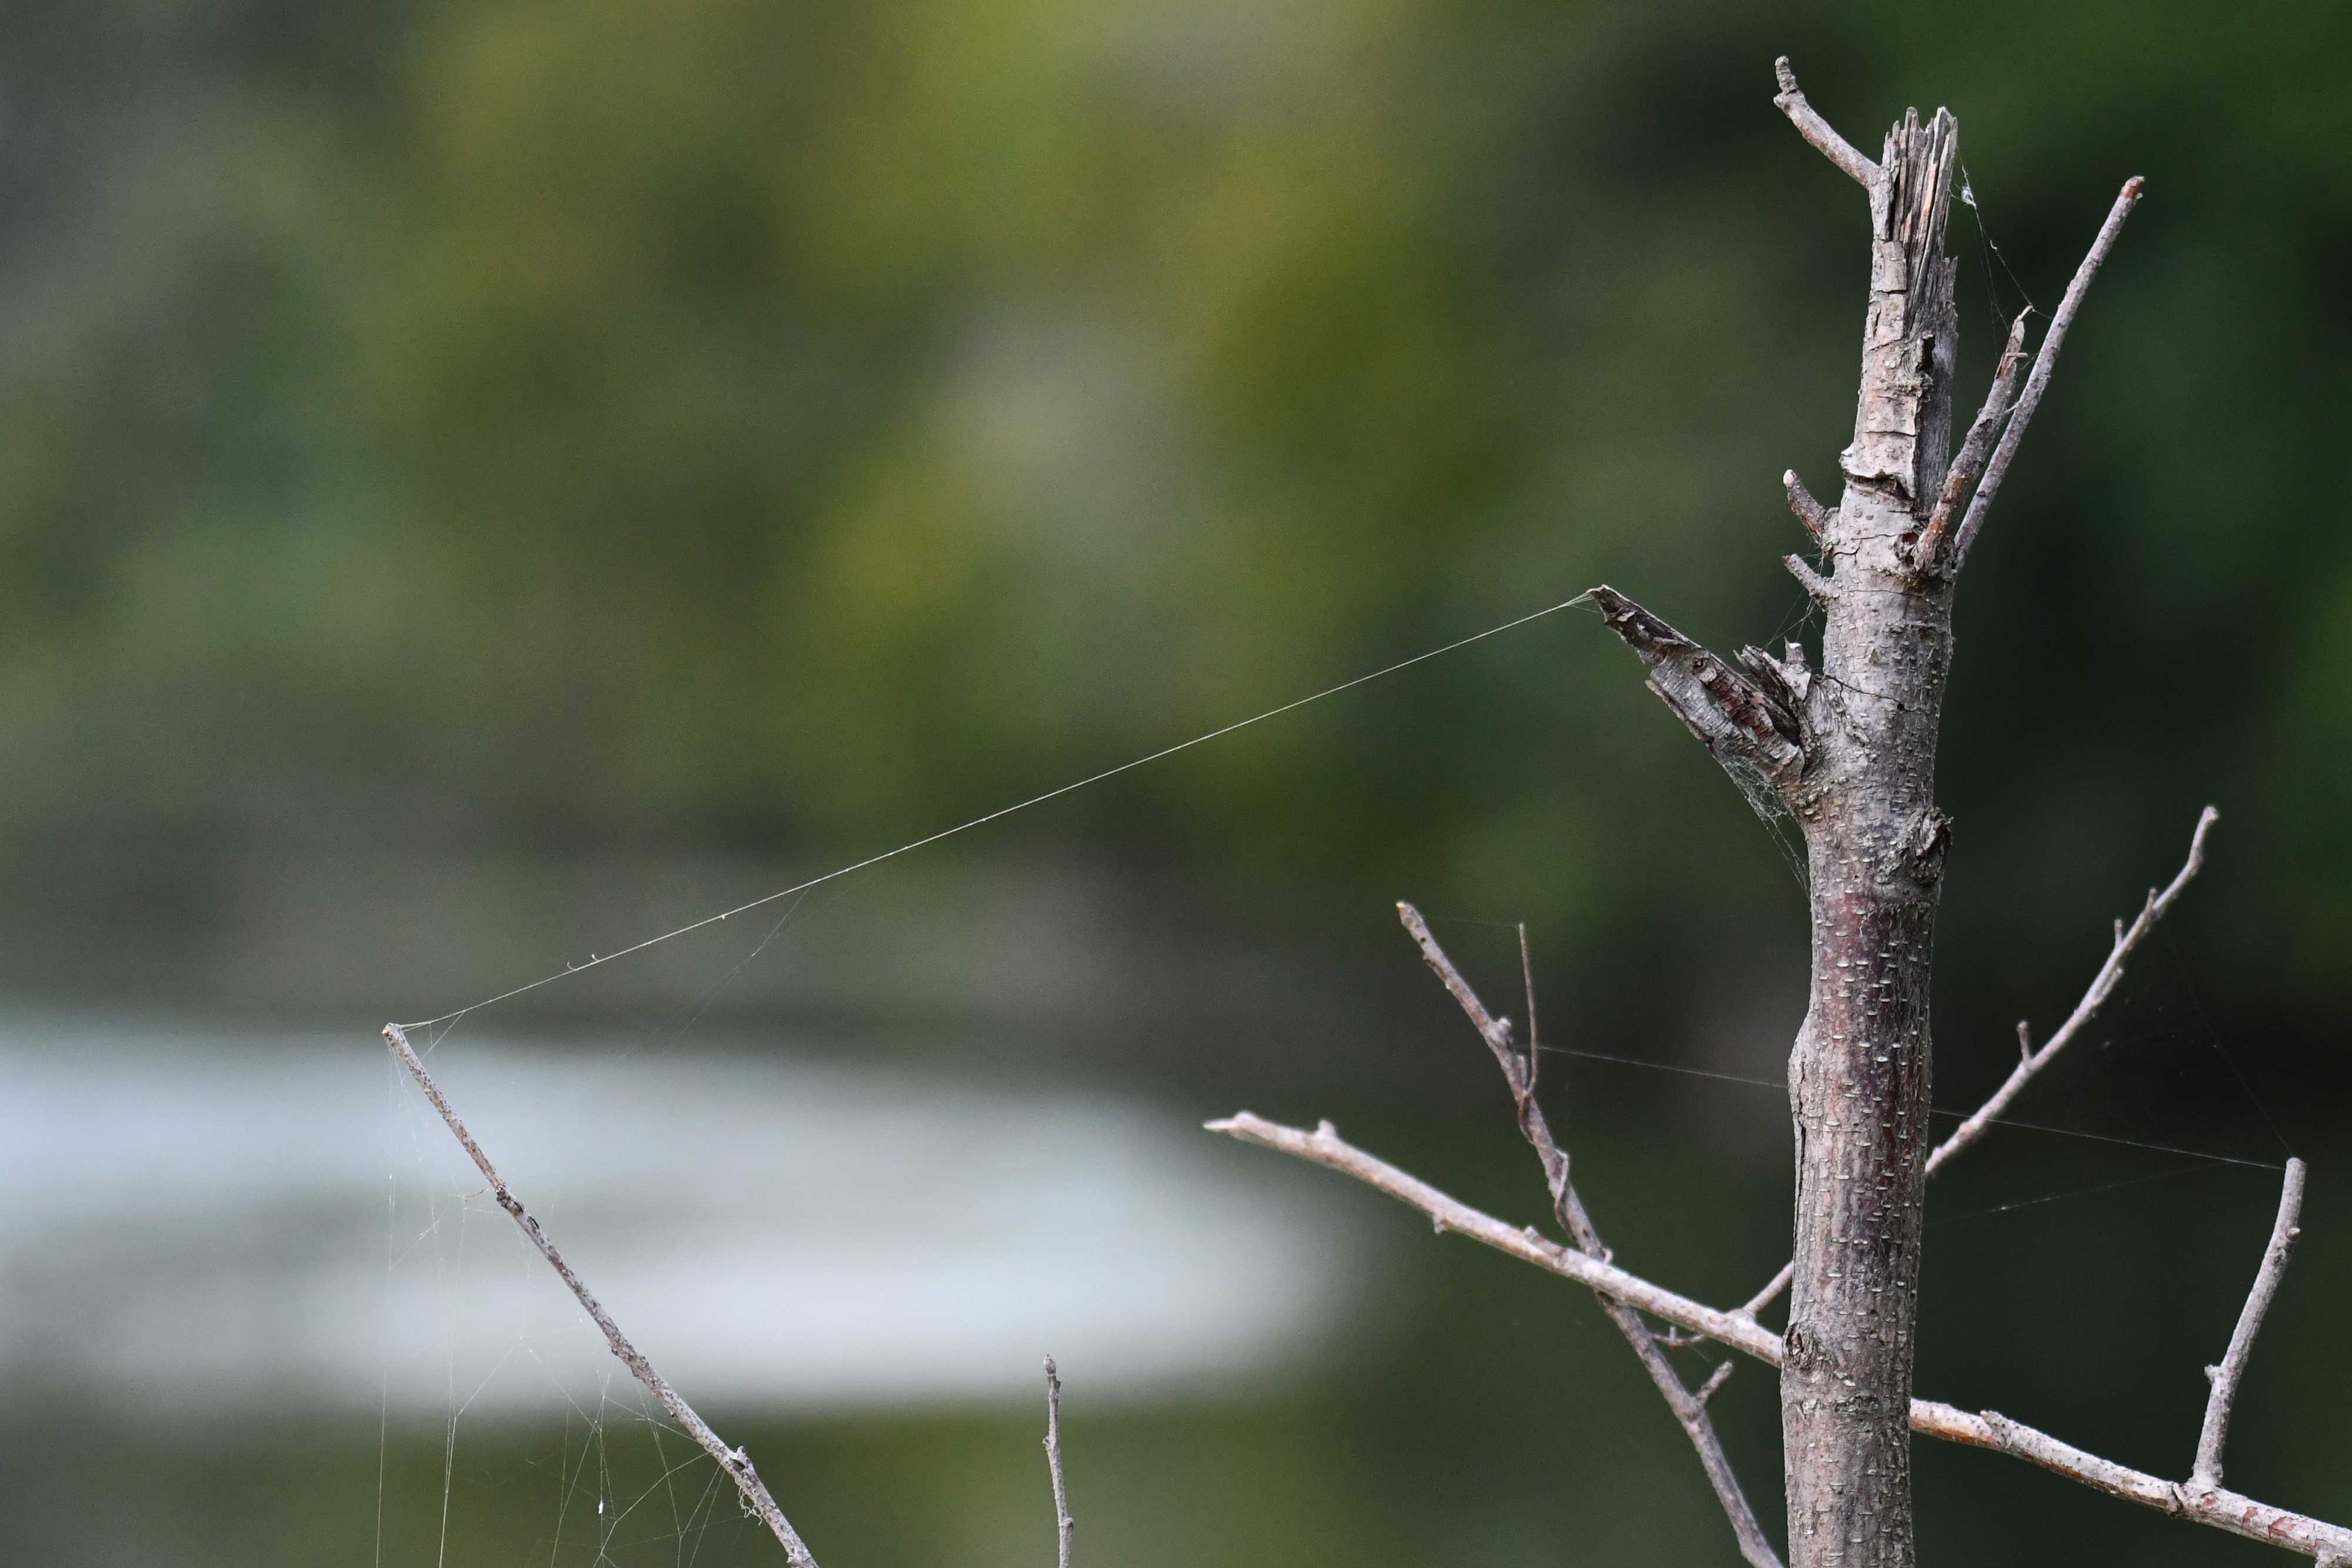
[{"x": 708, "y": 419}]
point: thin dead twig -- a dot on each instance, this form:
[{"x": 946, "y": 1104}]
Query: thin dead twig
[
  {"x": 1816, "y": 518},
  {"x": 2224, "y": 1397},
  {"x": 1520, "y": 1071},
  {"x": 735, "y": 1462},
  {"x": 1975, "y": 449},
  {"x": 2043, "y": 362},
  {"x": 2218, "y": 1508},
  {"x": 1064, "y": 1525},
  {"x": 1791, "y": 101},
  {"x": 2102, "y": 985}
]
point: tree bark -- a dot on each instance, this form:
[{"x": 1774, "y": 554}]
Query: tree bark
[
  {"x": 1850, "y": 750},
  {"x": 1858, "y": 1078}
]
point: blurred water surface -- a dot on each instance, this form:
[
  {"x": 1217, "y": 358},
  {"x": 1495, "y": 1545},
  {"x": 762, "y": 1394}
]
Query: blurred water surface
[{"x": 206, "y": 1226}]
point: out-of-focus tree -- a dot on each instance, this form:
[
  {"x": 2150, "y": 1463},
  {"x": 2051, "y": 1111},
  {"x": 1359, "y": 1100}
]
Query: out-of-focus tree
[{"x": 709, "y": 417}]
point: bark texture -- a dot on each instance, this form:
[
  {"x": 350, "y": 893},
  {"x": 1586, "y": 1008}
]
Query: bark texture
[
  {"x": 1850, "y": 750},
  {"x": 1858, "y": 1079}
]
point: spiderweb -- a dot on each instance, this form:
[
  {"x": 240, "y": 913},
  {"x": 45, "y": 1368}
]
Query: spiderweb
[{"x": 474, "y": 1317}]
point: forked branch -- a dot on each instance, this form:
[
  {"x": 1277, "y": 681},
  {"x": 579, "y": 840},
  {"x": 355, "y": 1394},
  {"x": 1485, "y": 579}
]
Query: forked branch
[
  {"x": 2031, "y": 1062},
  {"x": 1519, "y": 1065},
  {"x": 735, "y": 1462},
  {"x": 2224, "y": 1397},
  {"x": 2217, "y": 1506}
]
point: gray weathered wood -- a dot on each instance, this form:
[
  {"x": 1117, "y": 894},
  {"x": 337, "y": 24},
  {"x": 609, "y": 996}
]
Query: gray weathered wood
[
  {"x": 1850, "y": 750},
  {"x": 2207, "y": 1474},
  {"x": 2216, "y": 1507}
]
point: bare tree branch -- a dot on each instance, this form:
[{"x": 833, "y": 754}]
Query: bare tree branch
[
  {"x": 2218, "y": 1507},
  {"x": 1771, "y": 1292},
  {"x": 1064, "y": 1525},
  {"x": 1816, "y": 518},
  {"x": 2043, "y": 361},
  {"x": 1791, "y": 101},
  {"x": 1974, "y": 450},
  {"x": 2102, "y": 985},
  {"x": 1325, "y": 1147},
  {"x": 734, "y": 1461},
  {"x": 1520, "y": 1071},
  {"x": 2226, "y": 1376}
]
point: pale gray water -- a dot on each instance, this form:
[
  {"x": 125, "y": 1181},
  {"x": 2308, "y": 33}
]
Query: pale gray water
[{"x": 194, "y": 1225}]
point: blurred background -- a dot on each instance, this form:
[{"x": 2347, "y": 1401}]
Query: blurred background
[{"x": 483, "y": 483}]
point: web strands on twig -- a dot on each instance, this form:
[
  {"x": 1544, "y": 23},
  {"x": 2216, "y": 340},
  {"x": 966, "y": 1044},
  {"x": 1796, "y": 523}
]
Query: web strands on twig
[{"x": 618, "y": 1485}]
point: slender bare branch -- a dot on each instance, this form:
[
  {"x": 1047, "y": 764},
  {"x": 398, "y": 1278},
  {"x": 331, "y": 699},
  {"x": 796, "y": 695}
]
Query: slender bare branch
[
  {"x": 1816, "y": 518},
  {"x": 1771, "y": 1292},
  {"x": 1519, "y": 1069},
  {"x": 2226, "y": 1376},
  {"x": 1064, "y": 1525},
  {"x": 2043, "y": 361},
  {"x": 1325, "y": 1147},
  {"x": 2102, "y": 985},
  {"x": 1791, "y": 101},
  {"x": 1974, "y": 450},
  {"x": 2219, "y": 1508},
  {"x": 734, "y": 1461}
]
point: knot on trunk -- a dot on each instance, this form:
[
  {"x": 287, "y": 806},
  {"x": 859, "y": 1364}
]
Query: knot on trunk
[
  {"x": 1806, "y": 1351},
  {"x": 1919, "y": 852}
]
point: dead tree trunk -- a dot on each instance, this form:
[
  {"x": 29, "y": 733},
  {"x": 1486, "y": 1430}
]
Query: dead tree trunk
[
  {"x": 1850, "y": 751},
  {"x": 1858, "y": 1076}
]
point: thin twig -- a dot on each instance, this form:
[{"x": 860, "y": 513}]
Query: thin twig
[
  {"x": 1520, "y": 1072},
  {"x": 1791, "y": 101},
  {"x": 2226, "y": 1376},
  {"x": 734, "y": 1461},
  {"x": 2219, "y": 1508},
  {"x": 1325, "y": 1147},
  {"x": 2031, "y": 398},
  {"x": 2102, "y": 985},
  {"x": 1974, "y": 450},
  {"x": 1568, "y": 1208},
  {"x": 1771, "y": 1292},
  {"x": 1064, "y": 1525}
]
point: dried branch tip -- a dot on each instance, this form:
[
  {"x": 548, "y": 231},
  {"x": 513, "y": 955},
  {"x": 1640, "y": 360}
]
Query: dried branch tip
[
  {"x": 1816, "y": 518},
  {"x": 2206, "y": 1476},
  {"x": 1791, "y": 101},
  {"x": 1064, "y": 1527},
  {"x": 1930, "y": 556},
  {"x": 1997, "y": 467}
]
